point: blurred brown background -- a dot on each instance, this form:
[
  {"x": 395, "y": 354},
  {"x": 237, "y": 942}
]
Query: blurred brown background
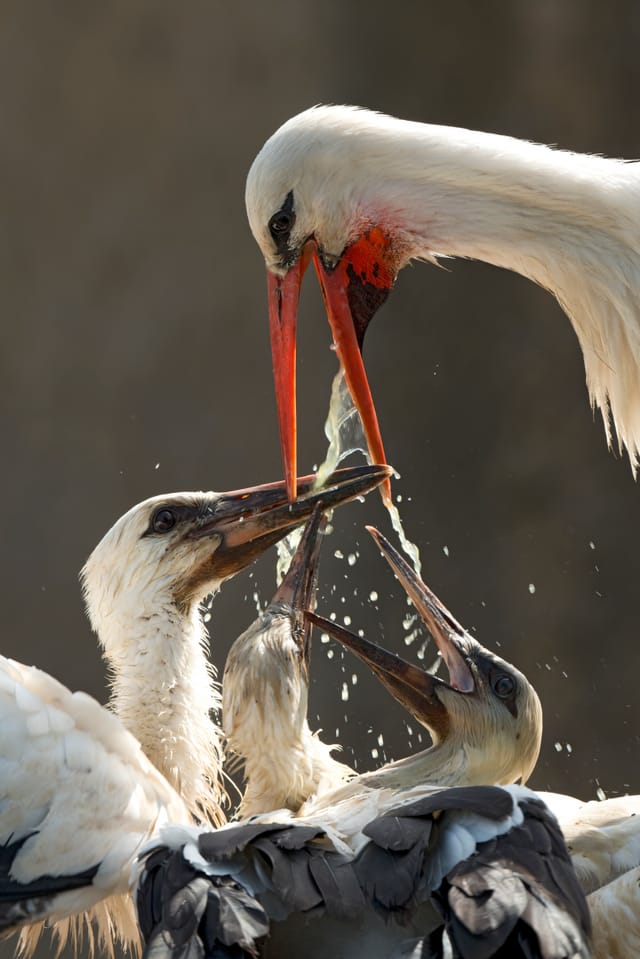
[{"x": 134, "y": 334}]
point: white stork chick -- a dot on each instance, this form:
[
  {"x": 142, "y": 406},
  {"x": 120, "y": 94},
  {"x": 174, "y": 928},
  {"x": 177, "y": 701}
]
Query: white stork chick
[
  {"x": 485, "y": 723},
  {"x": 363, "y": 194},
  {"x": 78, "y": 797},
  {"x": 265, "y": 694},
  {"x": 392, "y": 844}
]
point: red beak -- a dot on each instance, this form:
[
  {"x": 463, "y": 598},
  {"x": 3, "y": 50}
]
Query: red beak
[{"x": 352, "y": 291}]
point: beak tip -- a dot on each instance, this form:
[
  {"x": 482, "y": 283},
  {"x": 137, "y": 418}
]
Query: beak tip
[{"x": 291, "y": 481}]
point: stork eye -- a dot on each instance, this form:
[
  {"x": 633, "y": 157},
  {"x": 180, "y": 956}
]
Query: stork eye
[
  {"x": 164, "y": 520},
  {"x": 281, "y": 223},
  {"x": 504, "y": 686}
]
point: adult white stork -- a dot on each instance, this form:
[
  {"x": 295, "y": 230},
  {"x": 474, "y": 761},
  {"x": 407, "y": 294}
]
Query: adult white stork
[
  {"x": 265, "y": 695},
  {"x": 81, "y": 789},
  {"x": 391, "y": 844},
  {"x": 362, "y": 194}
]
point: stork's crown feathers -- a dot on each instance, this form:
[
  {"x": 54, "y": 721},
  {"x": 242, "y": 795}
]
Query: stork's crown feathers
[
  {"x": 570, "y": 222},
  {"x": 142, "y": 562}
]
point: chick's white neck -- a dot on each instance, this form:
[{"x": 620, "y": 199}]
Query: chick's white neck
[
  {"x": 164, "y": 692},
  {"x": 265, "y": 701}
]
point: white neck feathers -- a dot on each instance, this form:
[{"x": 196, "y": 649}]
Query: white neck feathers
[
  {"x": 567, "y": 221},
  {"x": 163, "y": 690}
]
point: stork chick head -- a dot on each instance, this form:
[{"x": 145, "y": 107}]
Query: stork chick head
[
  {"x": 266, "y": 677},
  {"x": 167, "y": 553},
  {"x": 488, "y": 709},
  {"x": 265, "y": 694}
]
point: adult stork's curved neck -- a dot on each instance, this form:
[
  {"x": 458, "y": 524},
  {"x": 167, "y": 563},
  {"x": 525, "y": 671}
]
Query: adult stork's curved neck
[{"x": 364, "y": 193}]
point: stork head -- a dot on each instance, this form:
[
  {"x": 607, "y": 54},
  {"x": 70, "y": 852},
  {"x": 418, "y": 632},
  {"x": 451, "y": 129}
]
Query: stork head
[
  {"x": 314, "y": 193},
  {"x": 488, "y": 708},
  {"x": 167, "y": 553},
  {"x": 266, "y": 678}
]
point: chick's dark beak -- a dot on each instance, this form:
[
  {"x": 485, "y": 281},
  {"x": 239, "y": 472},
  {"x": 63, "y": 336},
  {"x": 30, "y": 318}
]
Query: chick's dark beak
[
  {"x": 248, "y": 521},
  {"x": 297, "y": 592},
  {"x": 411, "y": 686},
  {"x": 447, "y": 632}
]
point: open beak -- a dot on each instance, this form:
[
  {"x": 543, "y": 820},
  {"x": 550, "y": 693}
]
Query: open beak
[
  {"x": 248, "y": 521},
  {"x": 297, "y": 590},
  {"x": 410, "y": 685},
  {"x": 353, "y": 288},
  {"x": 445, "y": 629}
]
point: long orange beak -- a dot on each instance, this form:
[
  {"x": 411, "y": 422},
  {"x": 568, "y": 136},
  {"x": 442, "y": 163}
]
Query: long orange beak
[{"x": 352, "y": 290}]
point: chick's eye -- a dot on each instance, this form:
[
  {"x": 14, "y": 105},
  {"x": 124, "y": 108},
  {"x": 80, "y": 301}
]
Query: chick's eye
[
  {"x": 504, "y": 686},
  {"x": 281, "y": 223},
  {"x": 164, "y": 520}
]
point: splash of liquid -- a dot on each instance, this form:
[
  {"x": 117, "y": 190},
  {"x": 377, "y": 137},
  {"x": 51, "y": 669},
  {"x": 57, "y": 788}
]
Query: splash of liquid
[{"x": 344, "y": 431}]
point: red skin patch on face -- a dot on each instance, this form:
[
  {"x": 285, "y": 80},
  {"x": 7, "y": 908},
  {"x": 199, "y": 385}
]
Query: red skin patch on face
[{"x": 372, "y": 257}]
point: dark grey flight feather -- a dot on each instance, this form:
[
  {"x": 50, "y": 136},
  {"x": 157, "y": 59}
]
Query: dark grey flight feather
[
  {"x": 492, "y": 802},
  {"x": 517, "y": 896},
  {"x": 514, "y": 895},
  {"x": 341, "y": 892},
  {"x": 187, "y": 915}
]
